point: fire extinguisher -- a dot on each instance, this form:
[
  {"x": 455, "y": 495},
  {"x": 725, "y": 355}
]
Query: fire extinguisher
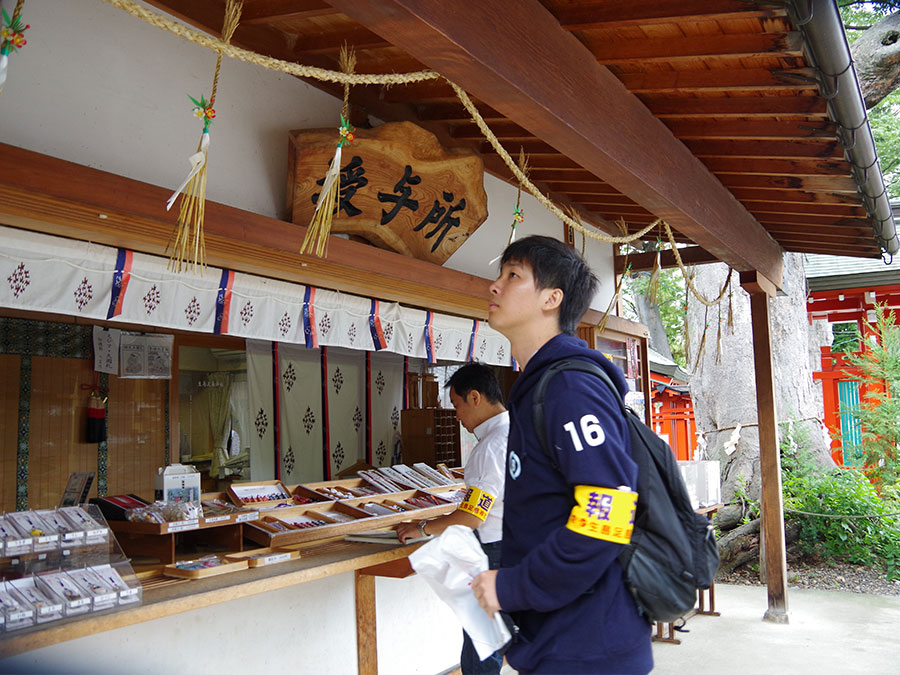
[{"x": 96, "y": 417}]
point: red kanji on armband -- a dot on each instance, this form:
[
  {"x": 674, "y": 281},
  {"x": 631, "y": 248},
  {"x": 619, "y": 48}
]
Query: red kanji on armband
[{"x": 605, "y": 529}]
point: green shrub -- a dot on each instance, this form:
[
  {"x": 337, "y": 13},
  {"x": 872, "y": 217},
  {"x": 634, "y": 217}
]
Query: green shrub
[{"x": 840, "y": 492}]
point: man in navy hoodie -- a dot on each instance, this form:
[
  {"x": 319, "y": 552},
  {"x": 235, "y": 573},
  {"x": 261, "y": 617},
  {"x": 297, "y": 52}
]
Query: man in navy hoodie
[{"x": 566, "y": 516}]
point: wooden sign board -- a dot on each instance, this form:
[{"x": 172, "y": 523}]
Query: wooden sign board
[{"x": 400, "y": 189}]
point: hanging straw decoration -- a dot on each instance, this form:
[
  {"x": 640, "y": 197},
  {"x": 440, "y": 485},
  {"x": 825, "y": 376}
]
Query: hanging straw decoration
[
  {"x": 719, "y": 337},
  {"x": 687, "y": 328},
  {"x": 702, "y": 337},
  {"x": 614, "y": 301},
  {"x": 518, "y": 212},
  {"x": 730, "y": 305},
  {"x": 12, "y": 38},
  {"x": 316, "y": 239},
  {"x": 188, "y": 243}
]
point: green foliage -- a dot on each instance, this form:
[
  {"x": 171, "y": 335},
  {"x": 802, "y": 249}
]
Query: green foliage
[
  {"x": 846, "y": 337},
  {"x": 884, "y": 118},
  {"x": 839, "y": 492},
  {"x": 749, "y": 507},
  {"x": 671, "y": 305},
  {"x": 878, "y": 411}
]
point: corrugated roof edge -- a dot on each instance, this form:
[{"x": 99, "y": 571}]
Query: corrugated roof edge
[{"x": 826, "y": 44}]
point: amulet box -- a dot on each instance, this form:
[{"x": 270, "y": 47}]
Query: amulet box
[{"x": 177, "y": 483}]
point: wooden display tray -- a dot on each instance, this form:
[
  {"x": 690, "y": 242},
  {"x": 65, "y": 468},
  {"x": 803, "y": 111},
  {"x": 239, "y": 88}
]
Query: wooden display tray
[
  {"x": 235, "y": 490},
  {"x": 260, "y": 557},
  {"x": 397, "y": 498},
  {"x": 444, "y": 489},
  {"x": 173, "y": 571},
  {"x": 346, "y": 483},
  {"x": 182, "y": 525},
  {"x": 262, "y": 533}
]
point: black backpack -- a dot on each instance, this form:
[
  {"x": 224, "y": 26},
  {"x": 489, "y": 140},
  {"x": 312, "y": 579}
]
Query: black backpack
[{"x": 672, "y": 551}]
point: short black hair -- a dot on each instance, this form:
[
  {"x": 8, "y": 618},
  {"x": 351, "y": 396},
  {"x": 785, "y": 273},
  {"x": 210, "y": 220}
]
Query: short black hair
[
  {"x": 478, "y": 377},
  {"x": 557, "y": 265}
]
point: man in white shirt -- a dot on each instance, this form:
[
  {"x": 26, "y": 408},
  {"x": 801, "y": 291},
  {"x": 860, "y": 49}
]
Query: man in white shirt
[{"x": 476, "y": 396}]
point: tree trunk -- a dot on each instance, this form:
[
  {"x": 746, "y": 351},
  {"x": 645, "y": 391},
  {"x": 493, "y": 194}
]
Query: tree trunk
[
  {"x": 741, "y": 545},
  {"x": 723, "y": 387},
  {"x": 876, "y": 57},
  {"x": 649, "y": 316}
]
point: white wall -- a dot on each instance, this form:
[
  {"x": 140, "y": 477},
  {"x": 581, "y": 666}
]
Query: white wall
[
  {"x": 99, "y": 87},
  {"x": 307, "y": 629},
  {"x": 489, "y": 240}
]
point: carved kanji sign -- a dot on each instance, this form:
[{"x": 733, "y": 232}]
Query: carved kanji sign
[{"x": 400, "y": 189}]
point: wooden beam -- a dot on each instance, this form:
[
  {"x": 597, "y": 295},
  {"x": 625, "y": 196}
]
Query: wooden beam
[
  {"x": 760, "y": 129},
  {"x": 649, "y": 12},
  {"x": 366, "y": 637},
  {"x": 821, "y": 184},
  {"x": 270, "y": 11},
  {"x": 725, "y": 79},
  {"x": 782, "y": 205},
  {"x": 640, "y": 262},
  {"x": 45, "y": 194},
  {"x": 797, "y": 149},
  {"x": 769, "y": 167},
  {"x": 675, "y": 49},
  {"x": 797, "y": 199},
  {"x": 541, "y": 78},
  {"x": 772, "y": 527},
  {"x": 861, "y": 251},
  {"x": 760, "y": 106},
  {"x": 455, "y": 112},
  {"x": 331, "y": 42}
]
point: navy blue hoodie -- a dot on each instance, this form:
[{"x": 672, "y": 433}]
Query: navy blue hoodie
[{"x": 565, "y": 589}]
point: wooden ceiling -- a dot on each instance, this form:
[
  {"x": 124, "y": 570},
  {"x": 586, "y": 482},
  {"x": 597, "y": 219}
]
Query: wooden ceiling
[{"x": 726, "y": 78}]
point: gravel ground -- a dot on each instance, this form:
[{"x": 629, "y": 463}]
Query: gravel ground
[{"x": 824, "y": 576}]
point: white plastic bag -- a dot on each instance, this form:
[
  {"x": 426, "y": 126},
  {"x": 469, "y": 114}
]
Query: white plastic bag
[{"x": 448, "y": 564}]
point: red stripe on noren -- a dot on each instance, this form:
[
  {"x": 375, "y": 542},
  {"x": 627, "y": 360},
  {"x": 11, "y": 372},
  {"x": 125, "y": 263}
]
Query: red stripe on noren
[
  {"x": 126, "y": 277},
  {"x": 326, "y": 437},
  {"x": 226, "y": 305},
  {"x": 369, "y": 407},
  {"x": 382, "y": 342},
  {"x": 276, "y": 369}
]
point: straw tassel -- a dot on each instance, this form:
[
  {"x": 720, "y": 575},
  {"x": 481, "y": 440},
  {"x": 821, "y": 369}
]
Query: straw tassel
[
  {"x": 719, "y": 337},
  {"x": 653, "y": 284},
  {"x": 702, "y": 338},
  {"x": 12, "y": 38},
  {"x": 518, "y": 212},
  {"x": 188, "y": 243},
  {"x": 316, "y": 239},
  {"x": 623, "y": 228},
  {"x": 730, "y": 304},
  {"x": 687, "y": 328}
]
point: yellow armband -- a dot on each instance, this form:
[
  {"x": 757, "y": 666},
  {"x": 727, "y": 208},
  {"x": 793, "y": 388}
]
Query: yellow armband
[
  {"x": 603, "y": 513},
  {"x": 477, "y": 502}
]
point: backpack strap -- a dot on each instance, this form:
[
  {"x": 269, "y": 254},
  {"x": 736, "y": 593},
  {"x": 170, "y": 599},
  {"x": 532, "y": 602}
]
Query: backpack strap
[{"x": 540, "y": 391}]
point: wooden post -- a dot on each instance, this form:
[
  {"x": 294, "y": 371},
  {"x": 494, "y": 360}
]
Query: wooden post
[
  {"x": 366, "y": 641},
  {"x": 772, "y": 525}
]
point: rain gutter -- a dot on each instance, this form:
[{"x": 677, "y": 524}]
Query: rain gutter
[{"x": 828, "y": 52}]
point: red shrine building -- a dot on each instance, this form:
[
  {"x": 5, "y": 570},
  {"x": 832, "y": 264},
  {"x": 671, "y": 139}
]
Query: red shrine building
[{"x": 843, "y": 291}]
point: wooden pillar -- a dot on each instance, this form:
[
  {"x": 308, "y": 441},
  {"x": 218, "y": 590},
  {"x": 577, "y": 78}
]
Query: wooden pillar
[
  {"x": 366, "y": 641},
  {"x": 772, "y": 513}
]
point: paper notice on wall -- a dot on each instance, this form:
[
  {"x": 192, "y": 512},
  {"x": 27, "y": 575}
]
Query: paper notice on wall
[
  {"x": 106, "y": 350},
  {"x": 146, "y": 356}
]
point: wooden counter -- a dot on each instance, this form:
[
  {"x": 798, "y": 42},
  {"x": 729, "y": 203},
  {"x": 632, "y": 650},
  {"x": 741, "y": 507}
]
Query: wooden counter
[{"x": 164, "y": 597}]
